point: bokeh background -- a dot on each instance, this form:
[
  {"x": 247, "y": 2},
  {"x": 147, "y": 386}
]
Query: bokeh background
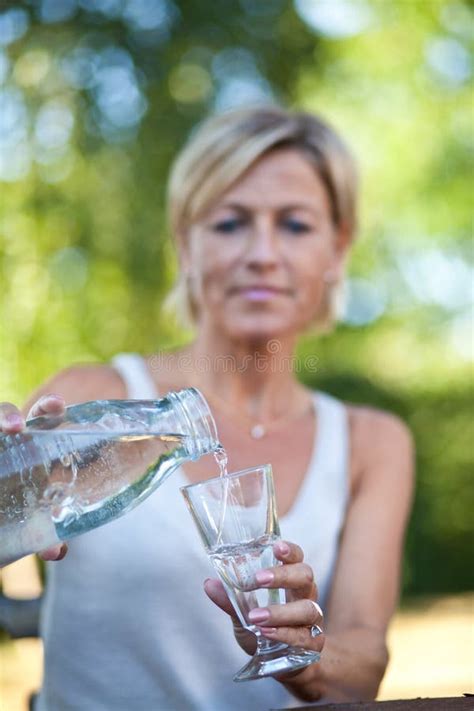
[{"x": 97, "y": 96}]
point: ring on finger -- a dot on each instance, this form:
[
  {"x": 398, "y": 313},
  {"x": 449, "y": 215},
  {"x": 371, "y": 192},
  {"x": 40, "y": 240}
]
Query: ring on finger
[
  {"x": 318, "y": 609},
  {"x": 315, "y": 631}
]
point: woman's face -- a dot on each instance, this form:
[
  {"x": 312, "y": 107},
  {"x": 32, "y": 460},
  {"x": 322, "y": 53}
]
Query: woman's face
[{"x": 259, "y": 258}]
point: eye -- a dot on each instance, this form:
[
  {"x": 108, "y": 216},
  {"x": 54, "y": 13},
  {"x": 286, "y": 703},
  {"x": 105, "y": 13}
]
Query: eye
[
  {"x": 297, "y": 227},
  {"x": 228, "y": 225}
]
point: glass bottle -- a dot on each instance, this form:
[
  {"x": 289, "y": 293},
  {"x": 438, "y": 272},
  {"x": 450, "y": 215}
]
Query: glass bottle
[{"x": 65, "y": 475}]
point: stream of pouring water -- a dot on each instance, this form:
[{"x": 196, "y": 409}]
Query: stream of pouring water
[{"x": 220, "y": 455}]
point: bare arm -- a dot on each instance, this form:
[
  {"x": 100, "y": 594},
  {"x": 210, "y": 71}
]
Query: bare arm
[
  {"x": 367, "y": 577},
  {"x": 79, "y": 384}
]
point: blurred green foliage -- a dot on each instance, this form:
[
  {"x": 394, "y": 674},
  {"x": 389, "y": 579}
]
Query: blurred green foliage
[{"x": 97, "y": 96}]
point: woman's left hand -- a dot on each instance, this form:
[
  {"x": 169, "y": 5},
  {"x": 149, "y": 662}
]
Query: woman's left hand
[{"x": 298, "y": 622}]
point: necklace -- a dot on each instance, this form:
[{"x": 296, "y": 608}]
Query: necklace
[{"x": 257, "y": 430}]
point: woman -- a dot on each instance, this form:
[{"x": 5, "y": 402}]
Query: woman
[{"x": 263, "y": 207}]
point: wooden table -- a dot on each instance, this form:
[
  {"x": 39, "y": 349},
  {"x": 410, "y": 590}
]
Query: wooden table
[{"x": 458, "y": 703}]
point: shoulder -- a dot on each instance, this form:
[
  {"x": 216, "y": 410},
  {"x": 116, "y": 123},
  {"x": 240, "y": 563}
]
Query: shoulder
[
  {"x": 80, "y": 383},
  {"x": 371, "y": 428},
  {"x": 381, "y": 442},
  {"x": 369, "y": 424},
  {"x": 172, "y": 369}
]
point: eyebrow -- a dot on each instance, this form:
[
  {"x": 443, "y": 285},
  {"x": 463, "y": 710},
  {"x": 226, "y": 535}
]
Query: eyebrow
[{"x": 286, "y": 208}]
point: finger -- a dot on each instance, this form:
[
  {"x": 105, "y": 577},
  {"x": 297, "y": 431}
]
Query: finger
[
  {"x": 11, "y": 419},
  {"x": 302, "y": 613},
  {"x": 54, "y": 553},
  {"x": 288, "y": 552},
  {"x": 297, "y": 577},
  {"x": 295, "y": 636},
  {"x": 51, "y": 404},
  {"x": 216, "y": 592}
]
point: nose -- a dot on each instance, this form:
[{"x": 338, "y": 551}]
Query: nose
[{"x": 262, "y": 249}]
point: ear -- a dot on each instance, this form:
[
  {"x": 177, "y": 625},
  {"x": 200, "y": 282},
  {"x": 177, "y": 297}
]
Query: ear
[
  {"x": 183, "y": 249},
  {"x": 342, "y": 242}
]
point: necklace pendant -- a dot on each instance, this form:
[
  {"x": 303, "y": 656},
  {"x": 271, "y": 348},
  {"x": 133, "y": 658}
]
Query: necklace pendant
[{"x": 257, "y": 431}]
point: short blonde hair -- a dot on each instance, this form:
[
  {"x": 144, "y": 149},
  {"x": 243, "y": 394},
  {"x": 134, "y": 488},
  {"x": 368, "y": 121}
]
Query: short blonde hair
[{"x": 225, "y": 146}]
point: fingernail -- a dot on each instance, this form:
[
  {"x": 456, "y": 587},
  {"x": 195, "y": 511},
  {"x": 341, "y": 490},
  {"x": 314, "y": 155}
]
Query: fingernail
[
  {"x": 62, "y": 551},
  {"x": 52, "y": 553},
  {"x": 268, "y": 630},
  {"x": 51, "y": 398},
  {"x": 264, "y": 577},
  {"x": 258, "y": 615},
  {"x": 283, "y": 548},
  {"x": 14, "y": 421}
]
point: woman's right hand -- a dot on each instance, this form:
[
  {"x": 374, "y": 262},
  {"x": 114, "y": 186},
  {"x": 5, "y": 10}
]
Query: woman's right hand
[{"x": 12, "y": 422}]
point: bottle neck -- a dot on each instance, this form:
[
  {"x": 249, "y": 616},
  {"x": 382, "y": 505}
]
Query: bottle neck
[{"x": 193, "y": 411}]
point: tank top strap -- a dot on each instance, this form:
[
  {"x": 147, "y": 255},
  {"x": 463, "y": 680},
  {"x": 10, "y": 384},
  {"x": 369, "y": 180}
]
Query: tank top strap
[
  {"x": 133, "y": 370},
  {"x": 317, "y": 517},
  {"x": 332, "y": 447}
]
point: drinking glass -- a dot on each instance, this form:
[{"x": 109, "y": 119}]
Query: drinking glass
[{"x": 237, "y": 520}]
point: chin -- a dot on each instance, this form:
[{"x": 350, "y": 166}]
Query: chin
[{"x": 259, "y": 328}]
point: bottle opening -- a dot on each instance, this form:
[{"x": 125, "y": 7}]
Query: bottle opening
[{"x": 193, "y": 407}]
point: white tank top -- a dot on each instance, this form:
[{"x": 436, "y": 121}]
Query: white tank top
[{"x": 126, "y": 623}]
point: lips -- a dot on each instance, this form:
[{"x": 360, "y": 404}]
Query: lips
[{"x": 259, "y": 292}]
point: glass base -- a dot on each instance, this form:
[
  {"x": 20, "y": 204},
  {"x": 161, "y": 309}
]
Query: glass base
[{"x": 279, "y": 661}]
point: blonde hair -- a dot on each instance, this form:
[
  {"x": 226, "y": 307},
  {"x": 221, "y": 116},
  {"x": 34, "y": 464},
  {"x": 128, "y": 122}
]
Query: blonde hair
[{"x": 224, "y": 147}]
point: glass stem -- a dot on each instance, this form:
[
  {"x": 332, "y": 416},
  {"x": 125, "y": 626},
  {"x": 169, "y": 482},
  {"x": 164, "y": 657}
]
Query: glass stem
[{"x": 266, "y": 646}]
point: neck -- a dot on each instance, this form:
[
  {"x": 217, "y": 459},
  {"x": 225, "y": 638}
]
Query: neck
[{"x": 256, "y": 378}]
